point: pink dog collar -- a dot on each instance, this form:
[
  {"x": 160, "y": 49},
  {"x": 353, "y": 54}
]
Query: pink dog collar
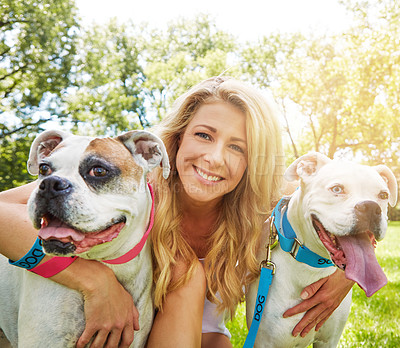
[
  {"x": 59, "y": 263},
  {"x": 131, "y": 254}
]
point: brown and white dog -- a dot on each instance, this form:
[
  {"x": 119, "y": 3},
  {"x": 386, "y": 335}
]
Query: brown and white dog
[
  {"x": 92, "y": 201},
  {"x": 339, "y": 212}
]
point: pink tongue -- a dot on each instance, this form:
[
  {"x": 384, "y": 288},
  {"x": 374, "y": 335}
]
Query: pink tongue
[
  {"x": 362, "y": 265},
  {"x": 59, "y": 230},
  {"x": 83, "y": 241}
]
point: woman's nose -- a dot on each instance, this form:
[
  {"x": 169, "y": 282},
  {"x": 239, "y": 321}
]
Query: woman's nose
[{"x": 216, "y": 156}]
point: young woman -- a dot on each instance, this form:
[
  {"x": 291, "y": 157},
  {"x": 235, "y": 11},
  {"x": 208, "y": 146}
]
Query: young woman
[{"x": 225, "y": 149}]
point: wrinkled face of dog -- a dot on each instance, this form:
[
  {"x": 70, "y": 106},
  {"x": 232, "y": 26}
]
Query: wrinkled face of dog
[
  {"x": 89, "y": 188},
  {"x": 355, "y": 196},
  {"x": 346, "y": 203}
]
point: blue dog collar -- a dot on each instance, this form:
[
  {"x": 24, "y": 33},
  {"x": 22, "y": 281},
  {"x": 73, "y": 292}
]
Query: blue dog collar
[
  {"x": 289, "y": 242},
  {"x": 32, "y": 257}
]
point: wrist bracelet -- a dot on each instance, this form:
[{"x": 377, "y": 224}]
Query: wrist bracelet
[
  {"x": 53, "y": 266},
  {"x": 32, "y": 257}
]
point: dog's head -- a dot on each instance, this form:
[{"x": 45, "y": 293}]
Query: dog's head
[
  {"x": 346, "y": 203},
  {"x": 90, "y": 190}
]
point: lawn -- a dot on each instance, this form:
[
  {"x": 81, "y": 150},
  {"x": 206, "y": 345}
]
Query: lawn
[{"x": 373, "y": 322}]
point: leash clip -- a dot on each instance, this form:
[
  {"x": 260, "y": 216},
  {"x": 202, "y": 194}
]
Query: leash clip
[{"x": 267, "y": 263}]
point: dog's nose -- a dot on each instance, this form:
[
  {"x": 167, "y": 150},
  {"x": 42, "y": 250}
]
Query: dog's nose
[
  {"x": 368, "y": 214},
  {"x": 369, "y": 208},
  {"x": 54, "y": 186}
]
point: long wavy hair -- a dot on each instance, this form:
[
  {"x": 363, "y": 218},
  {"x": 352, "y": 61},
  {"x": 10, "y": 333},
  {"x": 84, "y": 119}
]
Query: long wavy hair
[{"x": 231, "y": 262}]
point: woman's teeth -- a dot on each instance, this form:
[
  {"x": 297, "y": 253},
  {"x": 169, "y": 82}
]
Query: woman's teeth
[{"x": 208, "y": 177}]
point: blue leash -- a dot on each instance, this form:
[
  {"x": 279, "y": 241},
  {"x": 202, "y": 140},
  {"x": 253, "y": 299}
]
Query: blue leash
[
  {"x": 289, "y": 243},
  {"x": 262, "y": 293}
]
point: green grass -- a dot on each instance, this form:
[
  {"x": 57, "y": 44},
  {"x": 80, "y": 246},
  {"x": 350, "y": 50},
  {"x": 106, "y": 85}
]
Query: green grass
[{"x": 373, "y": 322}]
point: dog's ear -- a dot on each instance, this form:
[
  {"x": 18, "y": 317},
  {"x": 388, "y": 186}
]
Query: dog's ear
[
  {"x": 306, "y": 166},
  {"x": 391, "y": 182},
  {"x": 42, "y": 146},
  {"x": 147, "y": 149}
]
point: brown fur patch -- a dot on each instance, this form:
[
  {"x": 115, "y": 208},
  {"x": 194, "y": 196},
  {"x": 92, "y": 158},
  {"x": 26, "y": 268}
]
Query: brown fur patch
[{"x": 115, "y": 152}]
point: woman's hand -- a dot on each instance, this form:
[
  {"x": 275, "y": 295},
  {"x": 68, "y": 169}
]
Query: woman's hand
[
  {"x": 320, "y": 300},
  {"x": 111, "y": 316}
]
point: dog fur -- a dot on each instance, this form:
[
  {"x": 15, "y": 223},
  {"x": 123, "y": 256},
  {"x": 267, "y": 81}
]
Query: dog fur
[
  {"x": 349, "y": 202},
  {"x": 85, "y": 185}
]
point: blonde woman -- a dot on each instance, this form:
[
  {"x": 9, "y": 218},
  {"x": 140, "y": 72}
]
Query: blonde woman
[
  {"x": 224, "y": 143},
  {"x": 225, "y": 149}
]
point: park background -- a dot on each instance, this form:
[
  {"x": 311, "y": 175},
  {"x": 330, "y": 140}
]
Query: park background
[{"x": 70, "y": 65}]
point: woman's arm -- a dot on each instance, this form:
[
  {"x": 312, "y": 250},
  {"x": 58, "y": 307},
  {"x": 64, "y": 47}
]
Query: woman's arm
[
  {"x": 17, "y": 234},
  {"x": 109, "y": 309},
  {"x": 320, "y": 300},
  {"x": 179, "y": 324}
]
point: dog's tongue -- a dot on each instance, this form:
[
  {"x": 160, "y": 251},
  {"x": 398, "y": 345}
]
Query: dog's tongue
[
  {"x": 362, "y": 265},
  {"x": 59, "y": 230}
]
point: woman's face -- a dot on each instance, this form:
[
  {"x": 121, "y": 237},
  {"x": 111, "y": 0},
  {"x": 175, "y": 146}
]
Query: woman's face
[{"x": 212, "y": 154}]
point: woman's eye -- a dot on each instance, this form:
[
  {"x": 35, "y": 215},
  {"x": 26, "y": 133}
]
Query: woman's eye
[
  {"x": 203, "y": 135},
  {"x": 237, "y": 148},
  {"x": 44, "y": 169},
  {"x": 383, "y": 195},
  {"x": 337, "y": 189},
  {"x": 98, "y": 172}
]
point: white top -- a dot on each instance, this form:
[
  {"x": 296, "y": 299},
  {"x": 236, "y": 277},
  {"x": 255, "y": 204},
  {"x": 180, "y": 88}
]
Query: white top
[{"x": 212, "y": 320}]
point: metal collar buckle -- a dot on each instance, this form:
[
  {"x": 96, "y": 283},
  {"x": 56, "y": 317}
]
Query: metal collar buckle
[{"x": 295, "y": 249}]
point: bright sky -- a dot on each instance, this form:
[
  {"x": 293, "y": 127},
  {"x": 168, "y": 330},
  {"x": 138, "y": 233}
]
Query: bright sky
[{"x": 246, "y": 19}]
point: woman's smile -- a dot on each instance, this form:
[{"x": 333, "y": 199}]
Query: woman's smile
[{"x": 208, "y": 177}]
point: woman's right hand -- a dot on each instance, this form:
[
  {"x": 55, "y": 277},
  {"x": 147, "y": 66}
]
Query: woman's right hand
[{"x": 111, "y": 316}]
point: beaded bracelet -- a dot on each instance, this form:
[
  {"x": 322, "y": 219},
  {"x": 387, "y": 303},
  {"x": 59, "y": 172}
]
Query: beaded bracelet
[{"x": 31, "y": 258}]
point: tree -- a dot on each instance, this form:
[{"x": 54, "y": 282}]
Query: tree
[
  {"x": 187, "y": 52},
  {"x": 127, "y": 75},
  {"x": 107, "y": 95},
  {"x": 36, "y": 50},
  {"x": 341, "y": 89}
]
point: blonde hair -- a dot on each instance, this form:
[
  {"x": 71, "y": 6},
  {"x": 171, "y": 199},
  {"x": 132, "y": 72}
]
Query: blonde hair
[{"x": 231, "y": 260}]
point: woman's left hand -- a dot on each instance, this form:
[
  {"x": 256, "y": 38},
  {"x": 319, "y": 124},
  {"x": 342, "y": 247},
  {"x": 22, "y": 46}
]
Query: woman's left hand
[{"x": 320, "y": 300}]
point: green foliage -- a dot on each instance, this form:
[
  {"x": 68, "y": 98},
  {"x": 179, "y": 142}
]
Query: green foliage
[
  {"x": 374, "y": 321},
  {"x": 14, "y": 155},
  {"x": 183, "y": 55},
  {"x": 108, "y": 77},
  {"x": 36, "y": 51},
  {"x": 340, "y": 90},
  {"x": 36, "y": 45}
]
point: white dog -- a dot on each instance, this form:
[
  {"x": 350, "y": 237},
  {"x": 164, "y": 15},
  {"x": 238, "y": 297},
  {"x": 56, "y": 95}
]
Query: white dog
[
  {"x": 92, "y": 200},
  {"x": 338, "y": 212}
]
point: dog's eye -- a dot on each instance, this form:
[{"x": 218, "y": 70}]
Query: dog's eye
[
  {"x": 383, "y": 195},
  {"x": 44, "y": 169},
  {"x": 98, "y": 171},
  {"x": 337, "y": 189}
]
